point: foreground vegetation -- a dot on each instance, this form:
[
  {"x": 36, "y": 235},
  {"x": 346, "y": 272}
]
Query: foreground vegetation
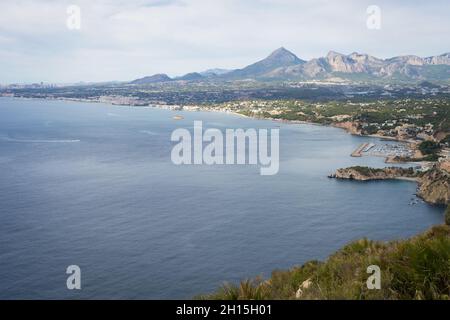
[{"x": 417, "y": 268}]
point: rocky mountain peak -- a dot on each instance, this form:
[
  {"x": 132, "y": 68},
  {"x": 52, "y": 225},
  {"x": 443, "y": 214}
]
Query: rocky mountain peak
[{"x": 284, "y": 55}]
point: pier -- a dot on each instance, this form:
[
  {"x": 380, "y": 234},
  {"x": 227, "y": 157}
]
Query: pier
[{"x": 359, "y": 150}]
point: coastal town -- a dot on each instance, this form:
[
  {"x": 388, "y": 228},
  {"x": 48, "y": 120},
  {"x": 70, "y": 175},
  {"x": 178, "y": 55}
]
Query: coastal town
[{"x": 421, "y": 127}]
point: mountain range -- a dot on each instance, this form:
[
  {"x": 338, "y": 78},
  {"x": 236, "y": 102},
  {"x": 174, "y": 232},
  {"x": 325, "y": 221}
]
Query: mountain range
[{"x": 284, "y": 65}]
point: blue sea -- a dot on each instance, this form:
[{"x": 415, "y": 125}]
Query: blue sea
[{"x": 93, "y": 185}]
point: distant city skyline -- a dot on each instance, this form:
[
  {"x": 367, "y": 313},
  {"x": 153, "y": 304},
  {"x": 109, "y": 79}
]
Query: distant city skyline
[{"x": 124, "y": 40}]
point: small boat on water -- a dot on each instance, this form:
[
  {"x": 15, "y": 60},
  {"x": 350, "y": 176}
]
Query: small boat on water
[{"x": 178, "y": 117}]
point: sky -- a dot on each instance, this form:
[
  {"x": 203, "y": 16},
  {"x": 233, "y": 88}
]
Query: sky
[{"x": 126, "y": 39}]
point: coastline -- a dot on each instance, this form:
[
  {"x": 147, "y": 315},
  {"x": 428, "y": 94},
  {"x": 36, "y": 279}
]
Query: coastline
[
  {"x": 388, "y": 159},
  {"x": 408, "y": 179},
  {"x": 334, "y": 125}
]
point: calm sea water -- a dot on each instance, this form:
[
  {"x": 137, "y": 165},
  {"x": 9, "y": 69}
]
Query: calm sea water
[{"x": 93, "y": 185}]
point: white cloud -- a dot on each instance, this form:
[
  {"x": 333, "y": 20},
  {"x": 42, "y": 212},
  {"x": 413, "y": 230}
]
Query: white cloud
[{"x": 122, "y": 40}]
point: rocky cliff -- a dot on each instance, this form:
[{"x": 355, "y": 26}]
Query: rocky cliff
[
  {"x": 351, "y": 127},
  {"x": 366, "y": 173},
  {"x": 434, "y": 184}
]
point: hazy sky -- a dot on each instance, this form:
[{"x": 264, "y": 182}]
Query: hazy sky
[{"x": 127, "y": 39}]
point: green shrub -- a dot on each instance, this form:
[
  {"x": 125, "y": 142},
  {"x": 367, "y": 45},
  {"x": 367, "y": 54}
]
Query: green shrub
[
  {"x": 429, "y": 147},
  {"x": 430, "y": 157},
  {"x": 421, "y": 269}
]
